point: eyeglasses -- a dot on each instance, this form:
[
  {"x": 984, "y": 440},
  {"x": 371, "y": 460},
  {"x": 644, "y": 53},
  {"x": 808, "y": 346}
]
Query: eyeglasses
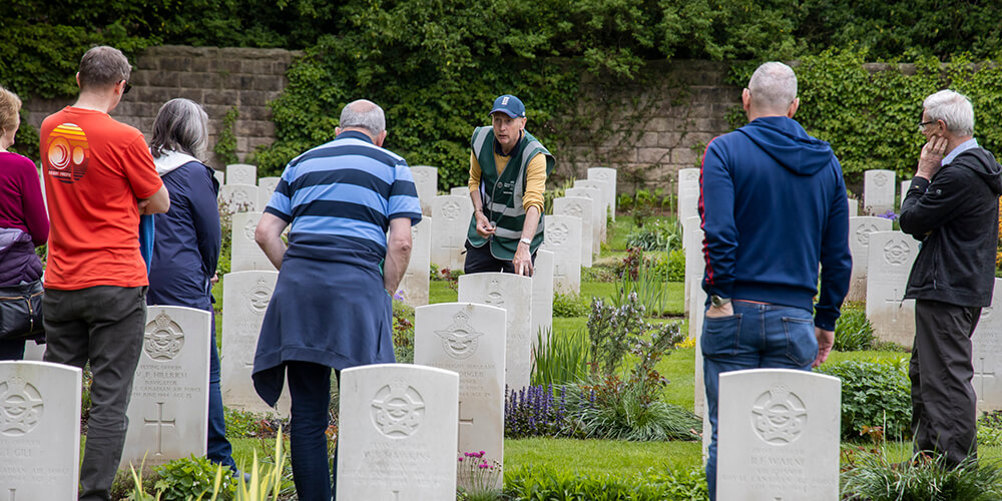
[
  {"x": 922, "y": 125},
  {"x": 127, "y": 88}
]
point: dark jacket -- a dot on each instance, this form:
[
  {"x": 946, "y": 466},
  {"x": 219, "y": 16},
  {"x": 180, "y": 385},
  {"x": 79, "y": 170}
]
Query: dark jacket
[
  {"x": 187, "y": 244},
  {"x": 956, "y": 217},
  {"x": 773, "y": 205}
]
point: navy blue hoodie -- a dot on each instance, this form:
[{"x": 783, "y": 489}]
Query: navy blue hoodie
[{"x": 773, "y": 205}]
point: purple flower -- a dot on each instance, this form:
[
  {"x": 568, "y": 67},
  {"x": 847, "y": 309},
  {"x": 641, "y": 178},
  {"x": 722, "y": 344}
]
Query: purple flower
[{"x": 888, "y": 215}]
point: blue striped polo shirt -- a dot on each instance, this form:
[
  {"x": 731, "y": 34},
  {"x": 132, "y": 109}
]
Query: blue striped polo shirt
[{"x": 340, "y": 197}]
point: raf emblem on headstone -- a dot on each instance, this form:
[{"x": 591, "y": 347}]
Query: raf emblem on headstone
[
  {"x": 896, "y": 252},
  {"x": 163, "y": 339},
  {"x": 460, "y": 340},
  {"x": 450, "y": 210},
  {"x": 397, "y": 410},
  {"x": 20, "y": 407},
  {"x": 863, "y": 233},
  {"x": 556, "y": 234},
  {"x": 249, "y": 228},
  {"x": 495, "y": 297},
  {"x": 259, "y": 295},
  {"x": 778, "y": 416}
]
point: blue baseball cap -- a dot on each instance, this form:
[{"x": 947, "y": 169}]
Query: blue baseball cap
[{"x": 510, "y": 105}]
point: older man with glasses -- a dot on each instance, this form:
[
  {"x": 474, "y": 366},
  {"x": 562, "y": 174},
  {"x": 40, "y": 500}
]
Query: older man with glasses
[{"x": 952, "y": 207}]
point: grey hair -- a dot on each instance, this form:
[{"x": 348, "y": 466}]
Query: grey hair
[
  {"x": 773, "y": 86},
  {"x": 954, "y": 109},
  {"x": 103, "y": 66},
  {"x": 365, "y": 114},
  {"x": 181, "y": 125}
]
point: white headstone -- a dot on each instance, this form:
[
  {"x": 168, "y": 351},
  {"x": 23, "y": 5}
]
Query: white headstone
[
  {"x": 606, "y": 175},
  {"x": 241, "y": 174},
  {"x": 219, "y": 175},
  {"x": 397, "y": 433},
  {"x": 688, "y": 194},
  {"x": 169, "y": 410},
  {"x": 987, "y": 341},
  {"x": 890, "y": 259},
  {"x": 563, "y": 237},
  {"x": 426, "y": 182},
  {"x": 514, "y": 294},
  {"x": 34, "y": 351},
  {"x": 904, "y": 191},
  {"x": 579, "y": 207},
  {"x": 460, "y": 191},
  {"x": 596, "y": 225},
  {"x": 450, "y": 224},
  {"x": 468, "y": 339},
  {"x": 602, "y": 213},
  {"x": 235, "y": 198},
  {"x": 414, "y": 285},
  {"x": 859, "y": 244},
  {"x": 245, "y": 253},
  {"x": 245, "y": 300},
  {"x": 40, "y": 430},
  {"x": 266, "y": 186},
  {"x": 694, "y": 267},
  {"x": 778, "y": 435},
  {"x": 542, "y": 295},
  {"x": 878, "y": 191},
  {"x": 853, "y": 207}
]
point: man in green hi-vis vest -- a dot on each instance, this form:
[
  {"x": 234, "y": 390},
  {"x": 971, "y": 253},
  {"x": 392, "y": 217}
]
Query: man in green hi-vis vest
[{"x": 508, "y": 170}]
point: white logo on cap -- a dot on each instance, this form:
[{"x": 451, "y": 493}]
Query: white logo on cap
[{"x": 504, "y": 101}]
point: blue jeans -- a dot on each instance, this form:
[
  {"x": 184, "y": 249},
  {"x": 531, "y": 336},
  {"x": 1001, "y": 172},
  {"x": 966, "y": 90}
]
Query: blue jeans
[
  {"x": 218, "y": 448},
  {"x": 310, "y": 389},
  {"x": 756, "y": 336}
]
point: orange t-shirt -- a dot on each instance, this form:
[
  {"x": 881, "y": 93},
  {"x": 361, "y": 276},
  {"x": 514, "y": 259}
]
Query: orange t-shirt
[{"x": 96, "y": 169}]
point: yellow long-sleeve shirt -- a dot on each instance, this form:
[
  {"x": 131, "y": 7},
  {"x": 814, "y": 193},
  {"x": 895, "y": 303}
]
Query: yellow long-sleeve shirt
[{"x": 535, "y": 178}]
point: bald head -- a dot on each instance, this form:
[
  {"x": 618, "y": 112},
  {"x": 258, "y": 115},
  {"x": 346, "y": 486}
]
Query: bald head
[
  {"x": 772, "y": 88},
  {"x": 363, "y": 114}
]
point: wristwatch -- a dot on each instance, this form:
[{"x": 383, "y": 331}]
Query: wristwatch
[
  {"x": 526, "y": 241},
  {"x": 718, "y": 301}
]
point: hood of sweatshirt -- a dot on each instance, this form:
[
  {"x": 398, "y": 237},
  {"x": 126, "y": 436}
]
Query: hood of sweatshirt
[
  {"x": 986, "y": 167},
  {"x": 788, "y": 144}
]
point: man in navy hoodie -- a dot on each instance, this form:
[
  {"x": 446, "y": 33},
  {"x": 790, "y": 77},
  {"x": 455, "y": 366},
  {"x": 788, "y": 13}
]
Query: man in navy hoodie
[
  {"x": 952, "y": 206},
  {"x": 773, "y": 205}
]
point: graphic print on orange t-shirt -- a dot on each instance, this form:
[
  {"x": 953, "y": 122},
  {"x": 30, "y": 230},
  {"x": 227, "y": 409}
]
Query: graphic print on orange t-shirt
[{"x": 68, "y": 153}]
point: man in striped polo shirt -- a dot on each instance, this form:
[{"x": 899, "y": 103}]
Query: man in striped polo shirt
[
  {"x": 508, "y": 169},
  {"x": 331, "y": 308}
]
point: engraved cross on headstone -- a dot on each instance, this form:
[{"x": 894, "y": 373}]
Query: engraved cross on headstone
[
  {"x": 981, "y": 375},
  {"x": 467, "y": 422},
  {"x": 159, "y": 422}
]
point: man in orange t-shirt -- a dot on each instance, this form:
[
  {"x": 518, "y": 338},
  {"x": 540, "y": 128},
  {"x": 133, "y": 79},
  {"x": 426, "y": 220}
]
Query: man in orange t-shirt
[{"x": 99, "y": 178}]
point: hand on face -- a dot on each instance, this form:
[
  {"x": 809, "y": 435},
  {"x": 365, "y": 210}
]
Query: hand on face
[{"x": 932, "y": 156}]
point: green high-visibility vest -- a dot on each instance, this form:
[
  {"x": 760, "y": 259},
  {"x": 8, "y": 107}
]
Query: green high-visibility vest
[{"x": 502, "y": 195}]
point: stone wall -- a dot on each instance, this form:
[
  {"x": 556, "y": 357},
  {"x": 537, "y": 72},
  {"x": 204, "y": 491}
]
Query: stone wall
[
  {"x": 647, "y": 128},
  {"x": 218, "y": 79},
  {"x": 650, "y": 128}
]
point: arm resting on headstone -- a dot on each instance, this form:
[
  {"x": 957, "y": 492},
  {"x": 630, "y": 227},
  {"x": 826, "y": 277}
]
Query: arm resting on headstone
[
  {"x": 398, "y": 253},
  {"x": 268, "y": 236}
]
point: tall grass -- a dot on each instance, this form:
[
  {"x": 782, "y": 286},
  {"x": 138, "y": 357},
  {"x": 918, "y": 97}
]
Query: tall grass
[
  {"x": 560, "y": 358},
  {"x": 648, "y": 285}
]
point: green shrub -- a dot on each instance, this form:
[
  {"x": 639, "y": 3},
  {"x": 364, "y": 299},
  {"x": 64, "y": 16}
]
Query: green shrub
[
  {"x": 226, "y": 139},
  {"x": 562, "y": 360},
  {"x": 403, "y": 332},
  {"x": 874, "y": 394},
  {"x": 853, "y": 331},
  {"x": 990, "y": 428},
  {"x": 676, "y": 266},
  {"x": 873, "y": 478},
  {"x": 568, "y": 306},
  {"x": 191, "y": 477}
]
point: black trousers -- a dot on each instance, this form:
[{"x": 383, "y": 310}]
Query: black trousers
[
  {"x": 480, "y": 260},
  {"x": 944, "y": 405}
]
